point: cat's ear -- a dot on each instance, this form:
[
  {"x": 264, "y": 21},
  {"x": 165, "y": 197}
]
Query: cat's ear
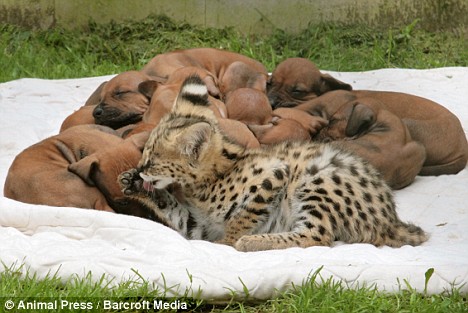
[
  {"x": 192, "y": 93},
  {"x": 194, "y": 140}
]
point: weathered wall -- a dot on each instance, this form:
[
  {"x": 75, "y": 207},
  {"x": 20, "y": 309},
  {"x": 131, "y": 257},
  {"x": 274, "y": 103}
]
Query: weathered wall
[
  {"x": 34, "y": 14},
  {"x": 248, "y": 16}
]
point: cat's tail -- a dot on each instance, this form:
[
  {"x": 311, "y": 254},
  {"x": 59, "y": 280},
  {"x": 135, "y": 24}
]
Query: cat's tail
[{"x": 405, "y": 234}]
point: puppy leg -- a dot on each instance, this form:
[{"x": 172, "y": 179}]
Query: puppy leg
[{"x": 449, "y": 168}]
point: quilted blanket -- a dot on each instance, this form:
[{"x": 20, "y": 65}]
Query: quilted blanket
[{"x": 74, "y": 241}]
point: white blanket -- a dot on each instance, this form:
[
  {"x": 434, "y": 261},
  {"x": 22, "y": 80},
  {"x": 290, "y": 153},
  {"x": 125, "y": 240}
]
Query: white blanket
[{"x": 76, "y": 241}]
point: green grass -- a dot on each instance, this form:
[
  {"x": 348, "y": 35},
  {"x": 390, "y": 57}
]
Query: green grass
[
  {"x": 315, "y": 295},
  {"x": 113, "y": 48},
  {"x": 16, "y": 287}
]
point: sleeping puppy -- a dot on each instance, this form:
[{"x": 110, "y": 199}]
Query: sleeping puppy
[
  {"x": 238, "y": 132},
  {"x": 40, "y": 175},
  {"x": 120, "y": 101},
  {"x": 240, "y": 75},
  {"x": 288, "y": 124},
  {"x": 296, "y": 80},
  {"x": 365, "y": 126},
  {"x": 249, "y": 106},
  {"x": 279, "y": 130},
  {"x": 82, "y": 116},
  {"x": 431, "y": 124},
  {"x": 445, "y": 146},
  {"x": 215, "y": 61},
  {"x": 101, "y": 169},
  {"x": 312, "y": 124}
]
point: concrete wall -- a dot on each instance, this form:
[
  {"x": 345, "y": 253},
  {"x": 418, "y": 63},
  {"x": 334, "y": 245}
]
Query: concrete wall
[{"x": 254, "y": 16}]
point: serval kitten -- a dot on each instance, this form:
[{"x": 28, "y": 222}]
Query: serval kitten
[{"x": 293, "y": 194}]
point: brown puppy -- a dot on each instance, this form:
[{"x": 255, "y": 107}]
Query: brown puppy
[
  {"x": 279, "y": 130},
  {"x": 134, "y": 129},
  {"x": 102, "y": 168},
  {"x": 215, "y": 61},
  {"x": 431, "y": 124},
  {"x": 82, "y": 116},
  {"x": 163, "y": 95},
  {"x": 238, "y": 132},
  {"x": 240, "y": 75},
  {"x": 40, "y": 175},
  {"x": 428, "y": 122},
  {"x": 249, "y": 106},
  {"x": 296, "y": 80},
  {"x": 366, "y": 127},
  {"x": 312, "y": 124},
  {"x": 121, "y": 102}
]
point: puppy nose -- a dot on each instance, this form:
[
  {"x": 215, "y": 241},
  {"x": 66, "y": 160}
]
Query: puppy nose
[{"x": 98, "y": 111}]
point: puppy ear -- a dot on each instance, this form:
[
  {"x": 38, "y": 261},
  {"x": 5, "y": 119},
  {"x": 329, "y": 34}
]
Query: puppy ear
[
  {"x": 194, "y": 140},
  {"x": 67, "y": 153},
  {"x": 85, "y": 168},
  {"x": 148, "y": 87},
  {"x": 329, "y": 83},
  {"x": 95, "y": 97},
  {"x": 313, "y": 109},
  {"x": 260, "y": 131},
  {"x": 259, "y": 83},
  {"x": 212, "y": 86},
  {"x": 361, "y": 118}
]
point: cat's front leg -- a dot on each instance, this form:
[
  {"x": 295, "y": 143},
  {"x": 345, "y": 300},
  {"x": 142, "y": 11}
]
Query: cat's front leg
[
  {"x": 263, "y": 194},
  {"x": 302, "y": 238}
]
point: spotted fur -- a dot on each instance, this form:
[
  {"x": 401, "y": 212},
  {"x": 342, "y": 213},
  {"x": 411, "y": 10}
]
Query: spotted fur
[{"x": 294, "y": 194}]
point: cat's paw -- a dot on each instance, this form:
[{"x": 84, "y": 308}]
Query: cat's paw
[{"x": 130, "y": 182}]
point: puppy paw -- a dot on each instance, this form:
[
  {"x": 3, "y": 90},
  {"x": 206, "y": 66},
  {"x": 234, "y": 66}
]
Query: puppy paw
[{"x": 315, "y": 124}]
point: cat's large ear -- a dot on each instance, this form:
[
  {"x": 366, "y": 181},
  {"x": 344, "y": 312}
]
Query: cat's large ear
[
  {"x": 192, "y": 93},
  {"x": 194, "y": 140}
]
